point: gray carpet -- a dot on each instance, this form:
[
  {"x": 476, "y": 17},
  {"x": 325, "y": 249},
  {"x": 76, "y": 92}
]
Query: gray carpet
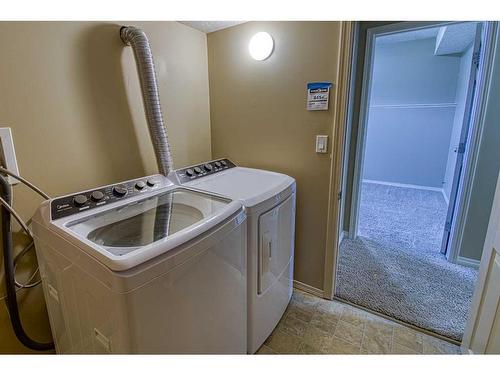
[{"x": 395, "y": 267}]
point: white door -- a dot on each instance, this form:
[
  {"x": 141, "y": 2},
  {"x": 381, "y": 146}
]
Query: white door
[
  {"x": 482, "y": 333},
  {"x": 460, "y": 146}
]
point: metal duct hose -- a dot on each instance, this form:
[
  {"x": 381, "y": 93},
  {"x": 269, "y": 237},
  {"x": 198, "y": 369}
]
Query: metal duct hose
[{"x": 138, "y": 40}]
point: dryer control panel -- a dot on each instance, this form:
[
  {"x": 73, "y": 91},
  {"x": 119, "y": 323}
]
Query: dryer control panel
[
  {"x": 72, "y": 204},
  {"x": 197, "y": 171}
]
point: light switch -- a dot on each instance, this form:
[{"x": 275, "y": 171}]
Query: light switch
[{"x": 322, "y": 144}]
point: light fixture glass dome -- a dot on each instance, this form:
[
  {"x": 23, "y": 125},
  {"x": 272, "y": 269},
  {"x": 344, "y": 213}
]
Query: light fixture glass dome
[{"x": 261, "y": 46}]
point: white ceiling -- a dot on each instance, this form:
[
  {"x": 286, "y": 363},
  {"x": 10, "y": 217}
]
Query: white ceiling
[
  {"x": 211, "y": 26},
  {"x": 455, "y": 38},
  {"x": 409, "y": 36},
  {"x": 450, "y": 39}
]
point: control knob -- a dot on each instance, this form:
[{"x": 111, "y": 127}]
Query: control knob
[
  {"x": 218, "y": 164},
  {"x": 197, "y": 170},
  {"x": 119, "y": 190},
  {"x": 208, "y": 167},
  {"x": 139, "y": 185},
  {"x": 96, "y": 196},
  {"x": 224, "y": 163},
  {"x": 189, "y": 172},
  {"x": 152, "y": 182},
  {"x": 80, "y": 200}
]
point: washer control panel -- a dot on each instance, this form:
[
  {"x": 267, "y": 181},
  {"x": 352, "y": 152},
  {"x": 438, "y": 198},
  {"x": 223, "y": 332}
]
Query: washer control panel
[
  {"x": 72, "y": 204},
  {"x": 197, "y": 171}
]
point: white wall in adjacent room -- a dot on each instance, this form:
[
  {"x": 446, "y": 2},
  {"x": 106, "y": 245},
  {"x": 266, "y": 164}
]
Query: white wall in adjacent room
[{"x": 411, "y": 113}]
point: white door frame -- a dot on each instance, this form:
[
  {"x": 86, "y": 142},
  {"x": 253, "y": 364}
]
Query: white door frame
[
  {"x": 343, "y": 96},
  {"x": 364, "y": 106},
  {"x": 489, "y": 36},
  {"x": 483, "y": 310},
  {"x": 464, "y": 139},
  {"x": 484, "y": 77}
]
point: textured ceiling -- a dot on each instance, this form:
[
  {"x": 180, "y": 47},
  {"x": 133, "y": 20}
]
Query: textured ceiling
[
  {"x": 450, "y": 39},
  {"x": 455, "y": 38},
  {"x": 409, "y": 36},
  {"x": 210, "y": 26}
]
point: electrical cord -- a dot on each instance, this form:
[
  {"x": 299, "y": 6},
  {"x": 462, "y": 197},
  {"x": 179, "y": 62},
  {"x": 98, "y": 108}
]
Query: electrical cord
[
  {"x": 29, "y": 281},
  {"x": 30, "y": 245},
  {"x": 25, "y": 228},
  {"x": 10, "y": 285},
  {"x": 16, "y": 260},
  {"x": 16, "y": 216},
  {"x": 18, "y": 257},
  {"x": 26, "y": 249},
  {"x": 24, "y": 181},
  {"x": 23, "y": 252}
]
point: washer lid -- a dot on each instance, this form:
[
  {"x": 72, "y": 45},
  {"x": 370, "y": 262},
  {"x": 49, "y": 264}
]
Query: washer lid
[
  {"x": 146, "y": 228},
  {"x": 251, "y": 186}
]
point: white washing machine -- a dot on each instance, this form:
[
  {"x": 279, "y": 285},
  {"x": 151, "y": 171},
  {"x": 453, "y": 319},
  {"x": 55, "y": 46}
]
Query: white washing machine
[
  {"x": 269, "y": 200},
  {"x": 144, "y": 266}
]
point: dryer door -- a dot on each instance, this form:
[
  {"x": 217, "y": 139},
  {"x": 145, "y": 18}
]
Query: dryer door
[{"x": 276, "y": 241}]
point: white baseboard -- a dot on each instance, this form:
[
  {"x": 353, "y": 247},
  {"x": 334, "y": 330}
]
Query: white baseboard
[
  {"x": 308, "y": 288},
  {"x": 343, "y": 234},
  {"x": 467, "y": 262},
  {"x": 421, "y": 187},
  {"x": 465, "y": 350},
  {"x": 446, "y": 199}
]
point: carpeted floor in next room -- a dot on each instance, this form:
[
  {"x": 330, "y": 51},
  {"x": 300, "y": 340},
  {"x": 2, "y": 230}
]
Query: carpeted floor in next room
[{"x": 395, "y": 266}]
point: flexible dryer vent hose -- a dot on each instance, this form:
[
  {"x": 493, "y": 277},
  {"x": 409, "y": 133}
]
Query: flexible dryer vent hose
[{"x": 138, "y": 40}]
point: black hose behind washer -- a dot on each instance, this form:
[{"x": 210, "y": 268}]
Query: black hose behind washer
[{"x": 10, "y": 286}]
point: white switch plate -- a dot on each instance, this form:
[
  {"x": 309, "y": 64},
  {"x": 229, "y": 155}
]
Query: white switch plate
[
  {"x": 8, "y": 154},
  {"x": 322, "y": 144}
]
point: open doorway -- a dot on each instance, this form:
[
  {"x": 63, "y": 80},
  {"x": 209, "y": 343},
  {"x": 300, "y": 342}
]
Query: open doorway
[{"x": 413, "y": 141}]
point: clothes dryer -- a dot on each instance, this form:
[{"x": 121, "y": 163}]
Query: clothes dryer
[{"x": 269, "y": 200}]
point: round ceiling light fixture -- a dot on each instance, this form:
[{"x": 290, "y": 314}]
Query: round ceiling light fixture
[{"x": 261, "y": 46}]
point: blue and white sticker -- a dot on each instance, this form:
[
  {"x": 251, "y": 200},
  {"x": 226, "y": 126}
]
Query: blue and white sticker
[{"x": 318, "y": 94}]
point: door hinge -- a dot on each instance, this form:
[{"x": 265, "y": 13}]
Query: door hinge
[
  {"x": 447, "y": 226},
  {"x": 461, "y": 148},
  {"x": 339, "y": 195},
  {"x": 476, "y": 58}
]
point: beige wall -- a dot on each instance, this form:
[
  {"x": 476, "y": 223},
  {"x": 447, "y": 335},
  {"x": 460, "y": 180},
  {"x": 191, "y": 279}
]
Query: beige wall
[
  {"x": 70, "y": 93},
  {"x": 258, "y": 118}
]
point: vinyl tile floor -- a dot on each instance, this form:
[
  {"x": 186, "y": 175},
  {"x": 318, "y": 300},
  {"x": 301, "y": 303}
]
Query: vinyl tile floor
[{"x": 313, "y": 325}]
